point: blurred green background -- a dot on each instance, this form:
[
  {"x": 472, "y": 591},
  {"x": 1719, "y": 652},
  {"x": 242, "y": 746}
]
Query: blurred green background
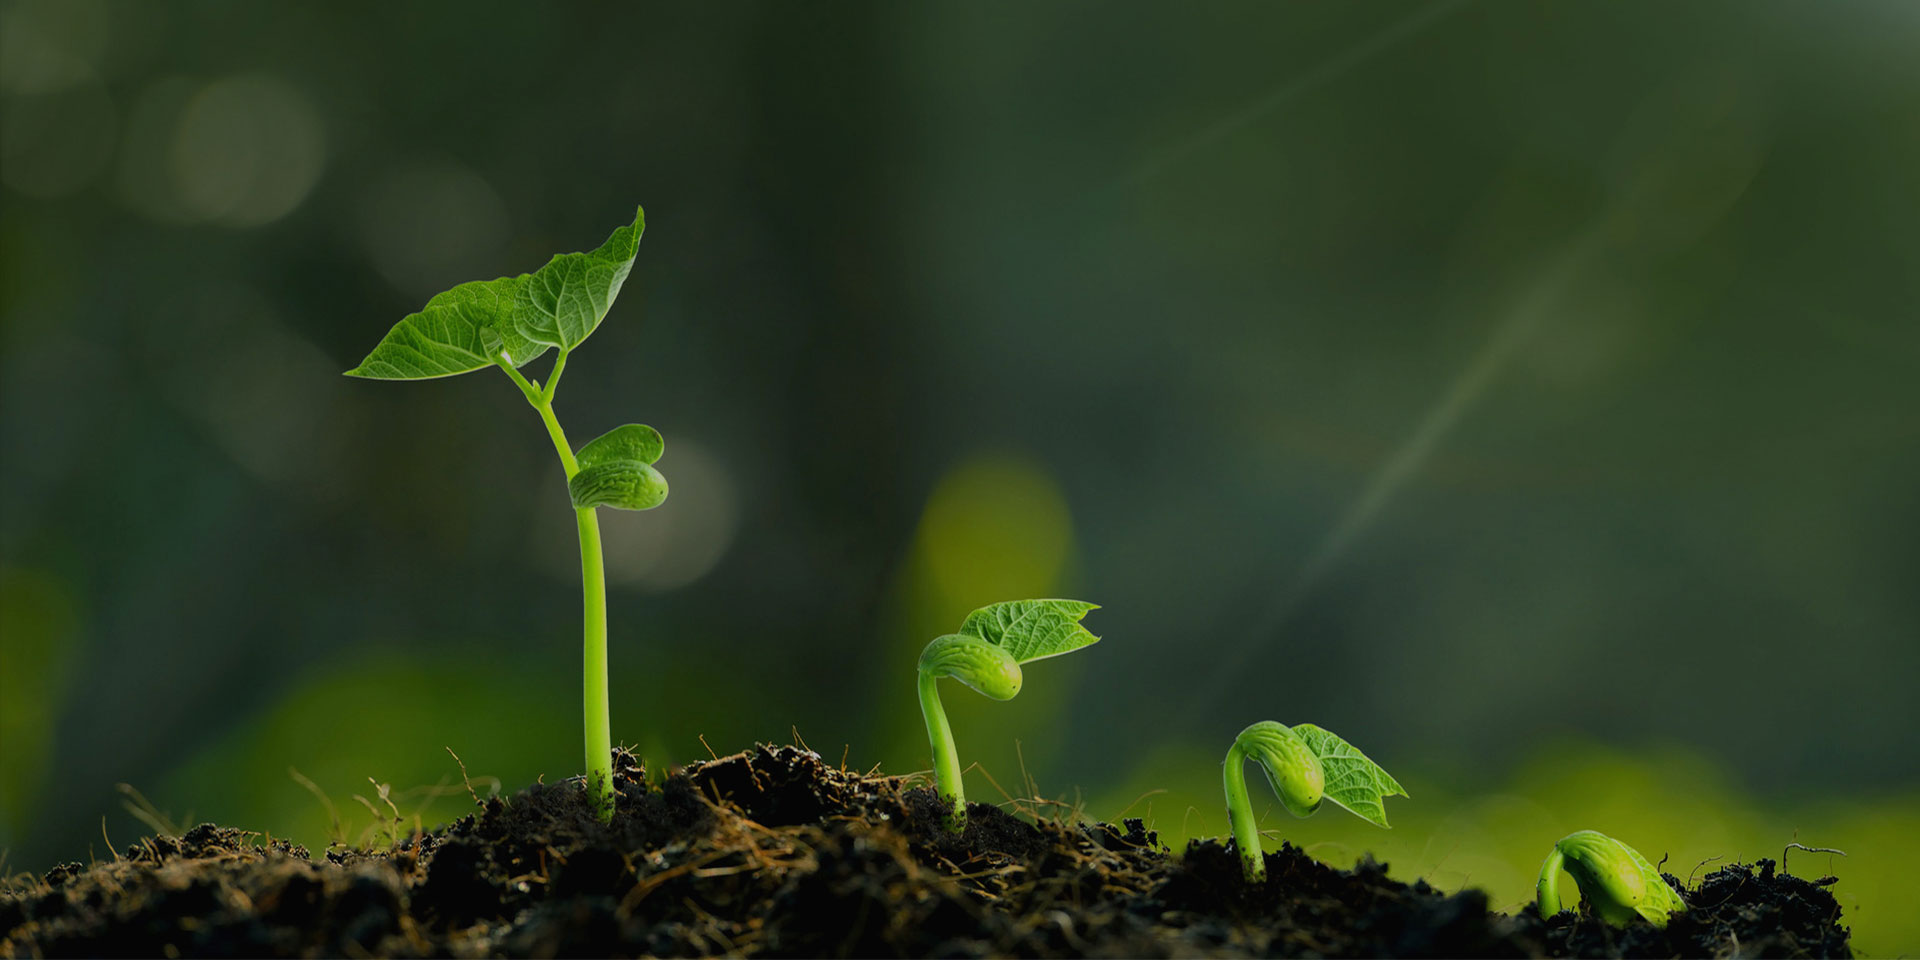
[{"x": 1526, "y": 392}]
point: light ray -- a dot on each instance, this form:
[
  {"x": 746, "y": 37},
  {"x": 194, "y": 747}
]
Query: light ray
[
  {"x": 1528, "y": 314},
  {"x": 1322, "y": 73}
]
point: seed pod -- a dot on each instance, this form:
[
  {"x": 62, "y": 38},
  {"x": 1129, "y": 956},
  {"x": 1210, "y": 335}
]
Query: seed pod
[
  {"x": 1616, "y": 880},
  {"x": 620, "y": 484},
  {"x": 981, "y": 665},
  {"x": 1292, "y": 769},
  {"x": 634, "y": 441}
]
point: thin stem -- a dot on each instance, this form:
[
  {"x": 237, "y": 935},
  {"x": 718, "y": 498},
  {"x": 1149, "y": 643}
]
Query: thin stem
[
  {"x": 559, "y": 438},
  {"x": 532, "y": 392},
  {"x": 946, "y": 759},
  {"x": 553, "y": 376},
  {"x": 598, "y": 716},
  {"x": 1246, "y": 831},
  {"x": 593, "y": 591},
  {"x": 1547, "y": 891}
]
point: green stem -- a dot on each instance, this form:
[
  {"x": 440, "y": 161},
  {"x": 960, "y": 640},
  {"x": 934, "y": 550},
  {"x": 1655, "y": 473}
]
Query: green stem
[
  {"x": 1547, "y": 891},
  {"x": 531, "y": 392},
  {"x": 593, "y": 591},
  {"x": 946, "y": 759},
  {"x": 1246, "y": 830},
  {"x": 553, "y": 376},
  {"x": 558, "y": 436},
  {"x": 598, "y": 716}
]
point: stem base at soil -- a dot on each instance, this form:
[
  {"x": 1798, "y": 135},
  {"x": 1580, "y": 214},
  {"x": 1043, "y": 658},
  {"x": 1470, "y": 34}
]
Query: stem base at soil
[
  {"x": 1246, "y": 832},
  {"x": 946, "y": 758}
]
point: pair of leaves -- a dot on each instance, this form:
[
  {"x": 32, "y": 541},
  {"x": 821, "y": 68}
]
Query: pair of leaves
[
  {"x": 467, "y": 327},
  {"x": 1032, "y": 629},
  {"x": 994, "y": 640},
  {"x": 616, "y": 470},
  {"x": 1348, "y": 777}
]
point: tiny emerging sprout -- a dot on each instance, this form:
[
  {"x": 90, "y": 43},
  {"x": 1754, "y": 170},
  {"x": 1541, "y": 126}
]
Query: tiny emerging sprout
[
  {"x": 986, "y": 655},
  {"x": 1614, "y": 878},
  {"x": 1305, "y": 764}
]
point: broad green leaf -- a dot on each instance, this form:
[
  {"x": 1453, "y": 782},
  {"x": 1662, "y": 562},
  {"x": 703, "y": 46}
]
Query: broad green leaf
[
  {"x": 1352, "y": 780},
  {"x": 1032, "y": 629},
  {"x": 450, "y": 334},
  {"x": 635, "y": 441},
  {"x": 562, "y": 303},
  {"x": 620, "y": 484}
]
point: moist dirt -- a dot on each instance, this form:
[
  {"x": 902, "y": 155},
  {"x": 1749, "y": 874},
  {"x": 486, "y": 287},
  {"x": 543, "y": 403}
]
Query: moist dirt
[{"x": 775, "y": 852}]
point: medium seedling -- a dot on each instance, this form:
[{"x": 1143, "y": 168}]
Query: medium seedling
[
  {"x": 1617, "y": 882},
  {"x": 507, "y": 323},
  {"x": 986, "y": 655},
  {"x": 1305, "y": 764}
]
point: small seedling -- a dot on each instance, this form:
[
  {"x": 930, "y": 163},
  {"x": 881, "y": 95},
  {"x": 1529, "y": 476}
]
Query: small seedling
[
  {"x": 507, "y": 323},
  {"x": 986, "y": 655},
  {"x": 1304, "y": 764},
  {"x": 1617, "y": 882}
]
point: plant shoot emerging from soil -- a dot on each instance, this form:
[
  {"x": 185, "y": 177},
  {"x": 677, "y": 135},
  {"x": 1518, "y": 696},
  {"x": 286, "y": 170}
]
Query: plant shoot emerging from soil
[
  {"x": 1304, "y": 764},
  {"x": 506, "y": 323},
  {"x": 986, "y": 655},
  {"x": 1614, "y": 878}
]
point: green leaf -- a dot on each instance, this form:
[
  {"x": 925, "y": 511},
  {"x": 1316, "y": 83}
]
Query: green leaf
[
  {"x": 1032, "y": 629},
  {"x": 450, "y": 335},
  {"x": 635, "y": 441},
  {"x": 562, "y": 303},
  {"x": 620, "y": 484},
  {"x": 1352, "y": 780}
]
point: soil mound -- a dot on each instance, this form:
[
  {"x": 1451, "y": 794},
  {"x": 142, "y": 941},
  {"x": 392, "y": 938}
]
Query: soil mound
[{"x": 775, "y": 852}]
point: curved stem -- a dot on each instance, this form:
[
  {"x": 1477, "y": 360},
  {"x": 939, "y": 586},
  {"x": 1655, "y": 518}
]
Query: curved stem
[
  {"x": 1547, "y": 891},
  {"x": 946, "y": 759},
  {"x": 1246, "y": 830}
]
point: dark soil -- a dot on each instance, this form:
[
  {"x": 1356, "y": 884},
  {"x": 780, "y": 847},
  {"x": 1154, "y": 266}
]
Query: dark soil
[{"x": 774, "y": 852}]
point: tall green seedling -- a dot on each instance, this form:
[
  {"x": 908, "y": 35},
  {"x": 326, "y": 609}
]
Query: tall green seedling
[
  {"x": 986, "y": 655},
  {"x": 507, "y": 323},
  {"x": 1304, "y": 764}
]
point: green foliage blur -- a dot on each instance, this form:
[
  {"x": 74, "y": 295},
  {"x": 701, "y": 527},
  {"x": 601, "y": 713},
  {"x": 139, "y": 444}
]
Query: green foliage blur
[{"x": 1526, "y": 391}]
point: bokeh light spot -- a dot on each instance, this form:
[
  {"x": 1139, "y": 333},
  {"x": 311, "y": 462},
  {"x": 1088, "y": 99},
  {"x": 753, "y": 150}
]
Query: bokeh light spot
[
  {"x": 995, "y": 528},
  {"x": 431, "y": 226},
  {"x": 50, "y": 45},
  {"x": 666, "y": 548},
  {"x": 247, "y": 151}
]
